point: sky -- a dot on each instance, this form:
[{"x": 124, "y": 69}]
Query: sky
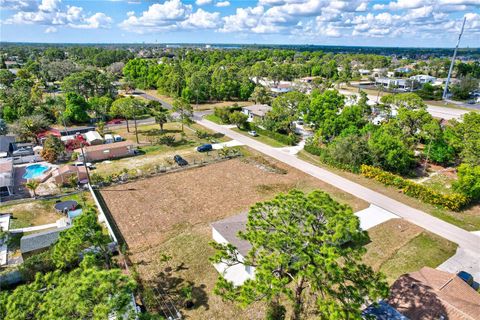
[{"x": 403, "y": 23}]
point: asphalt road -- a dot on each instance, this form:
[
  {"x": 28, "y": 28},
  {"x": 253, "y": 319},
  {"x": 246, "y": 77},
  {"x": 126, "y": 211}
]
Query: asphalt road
[{"x": 448, "y": 231}]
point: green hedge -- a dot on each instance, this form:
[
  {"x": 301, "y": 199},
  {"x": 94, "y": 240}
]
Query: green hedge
[
  {"x": 324, "y": 158},
  {"x": 454, "y": 201},
  {"x": 290, "y": 140}
]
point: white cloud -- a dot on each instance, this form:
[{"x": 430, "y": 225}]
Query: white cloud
[
  {"x": 202, "y": 2},
  {"x": 202, "y": 20},
  {"x": 222, "y": 4},
  {"x": 51, "y": 30},
  {"x": 51, "y": 13},
  {"x": 26, "y": 5},
  {"x": 49, "y": 5},
  {"x": 243, "y": 19}
]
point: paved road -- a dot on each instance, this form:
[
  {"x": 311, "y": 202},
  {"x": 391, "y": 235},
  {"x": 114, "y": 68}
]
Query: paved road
[
  {"x": 448, "y": 231},
  {"x": 435, "y": 111}
]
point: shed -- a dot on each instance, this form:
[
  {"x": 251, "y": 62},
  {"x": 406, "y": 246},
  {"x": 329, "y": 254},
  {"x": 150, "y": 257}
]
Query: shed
[
  {"x": 93, "y": 138},
  {"x": 109, "y": 138}
]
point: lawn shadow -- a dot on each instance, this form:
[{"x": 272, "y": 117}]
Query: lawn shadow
[
  {"x": 183, "y": 294},
  {"x": 158, "y": 132}
]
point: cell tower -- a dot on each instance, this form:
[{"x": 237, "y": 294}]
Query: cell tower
[{"x": 453, "y": 61}]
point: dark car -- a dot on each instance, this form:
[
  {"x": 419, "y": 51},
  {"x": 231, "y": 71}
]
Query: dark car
[
  {"x": 205, "y": 147},
  {"x": 180, "y": 161}
]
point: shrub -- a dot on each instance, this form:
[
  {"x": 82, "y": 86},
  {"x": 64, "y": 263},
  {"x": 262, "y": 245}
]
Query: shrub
[
  {"x": 291, "y": 139},
  {"x": 468, "y": 182},
  {"x": 455, "y": 201},
  {"x": 166, "y": 140},
  {"x": 201, "y": 134}
]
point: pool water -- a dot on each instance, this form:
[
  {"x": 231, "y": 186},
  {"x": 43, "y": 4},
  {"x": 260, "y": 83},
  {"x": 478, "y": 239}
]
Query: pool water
[{"x": 34, "y": 171}]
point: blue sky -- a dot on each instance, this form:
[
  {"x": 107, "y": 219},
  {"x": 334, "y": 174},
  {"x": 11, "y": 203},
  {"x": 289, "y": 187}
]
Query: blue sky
[{"x": 423, "y": 23}]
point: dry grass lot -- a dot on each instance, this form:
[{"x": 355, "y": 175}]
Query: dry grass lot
[
  {"x": 171, "y": 213},
  {"x": 202, "y": 106}
]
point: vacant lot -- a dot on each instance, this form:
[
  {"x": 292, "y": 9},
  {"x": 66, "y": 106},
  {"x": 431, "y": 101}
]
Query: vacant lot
[
  {"x": 170, "y": 215},
  {"x": 399, "y": 247}
]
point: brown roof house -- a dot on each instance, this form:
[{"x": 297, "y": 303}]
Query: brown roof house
[
  {"x": 107, "y": 151},
  {"x": 63, "y": 174},
  {"x": 431, "y": 294},
  {"x": 226, "y": 232}
]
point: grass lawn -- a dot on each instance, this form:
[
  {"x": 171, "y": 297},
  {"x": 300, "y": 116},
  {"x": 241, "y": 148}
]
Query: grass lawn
[
  {"x": 440, "y": 182},
  {"x": 38, "y": 212},
  {"x": 261, "y": 138},
  {"x": 468, "y": 219},
  {"x": 213, "y": 118},
  {"x": 399, "y": 247}
]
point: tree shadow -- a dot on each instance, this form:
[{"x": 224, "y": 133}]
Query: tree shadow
[
  {"x": 177, "y": 291},
  {"x": 416, "y": 300}
]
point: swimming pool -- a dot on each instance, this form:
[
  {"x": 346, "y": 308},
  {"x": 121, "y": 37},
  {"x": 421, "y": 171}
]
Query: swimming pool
[{"x": 34, "y": 171}]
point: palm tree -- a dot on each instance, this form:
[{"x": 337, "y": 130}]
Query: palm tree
[
  {"x": 32, "y": 185},
  {"x": 161, "y": 117}
]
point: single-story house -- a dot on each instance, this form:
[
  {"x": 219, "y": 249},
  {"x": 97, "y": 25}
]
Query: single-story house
[
  {"x": 63, "y": 174},
  {"x": 364, "y": 72},
  {"x": 404, "y": 70},
  {"x": 18, "y": 149},
  {"x": 38, "y": 242},
  {"x": 107, "y": 151},
  {"x": 49, "y": 132},
  {"x": 93, "y": 138},
  {"x": 282, "y": 88},
  {"x": 256, "y": 111},
  {"x": 392, "y": 83},
  {"x": 423, "y": 78},
  {"x": 5, "y": 142},
  {"x": 6, "y": 177},
  {"x": 226, "y": 231},
  {"x": 76, "y": 130},
  {"x": 433, "y": 294}
]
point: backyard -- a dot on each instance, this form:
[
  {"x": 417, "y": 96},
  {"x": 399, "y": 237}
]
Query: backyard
[{"x": 39, "y": 212}]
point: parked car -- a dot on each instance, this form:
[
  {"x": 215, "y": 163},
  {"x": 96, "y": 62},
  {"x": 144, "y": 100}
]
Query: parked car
[
  {"x": 115, "y": 121},
  {"x": 80, "y": 164},
  {"x": 253, "y": 133},
  {"x": 205, "y": 147},
  {"x": 180, "y": 161}
]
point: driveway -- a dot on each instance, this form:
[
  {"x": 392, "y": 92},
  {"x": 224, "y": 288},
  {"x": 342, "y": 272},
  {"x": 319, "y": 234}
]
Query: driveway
[
  {"x": 448, "y": 231},
  {"x": 463, "y": 260}
]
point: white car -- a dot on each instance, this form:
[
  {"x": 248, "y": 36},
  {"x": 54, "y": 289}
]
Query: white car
[
  {"x": 80, "y": 164},
  {"x": 253, "y": 133}
]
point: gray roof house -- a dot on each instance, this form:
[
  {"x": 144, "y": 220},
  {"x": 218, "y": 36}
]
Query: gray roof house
[
  {"x": 5, "y": 142},
  {"x": 38, "y": 242},
  {"x": 226, "y": 232}
]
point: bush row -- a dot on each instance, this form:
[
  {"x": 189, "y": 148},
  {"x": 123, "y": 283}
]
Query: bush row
[
  {"x": 320, "y": 152},
  {"x": 454, "y": 201},
  {"x": 291, "y": 139}
]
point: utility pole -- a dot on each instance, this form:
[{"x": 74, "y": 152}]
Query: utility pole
[{"x": 453, "y": 61}]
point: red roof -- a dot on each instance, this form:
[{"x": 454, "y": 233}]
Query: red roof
[{"x": 49, "y": 132}]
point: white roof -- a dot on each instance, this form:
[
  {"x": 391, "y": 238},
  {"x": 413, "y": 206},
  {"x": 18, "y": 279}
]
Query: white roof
[{"x": 93, "y": 135}]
